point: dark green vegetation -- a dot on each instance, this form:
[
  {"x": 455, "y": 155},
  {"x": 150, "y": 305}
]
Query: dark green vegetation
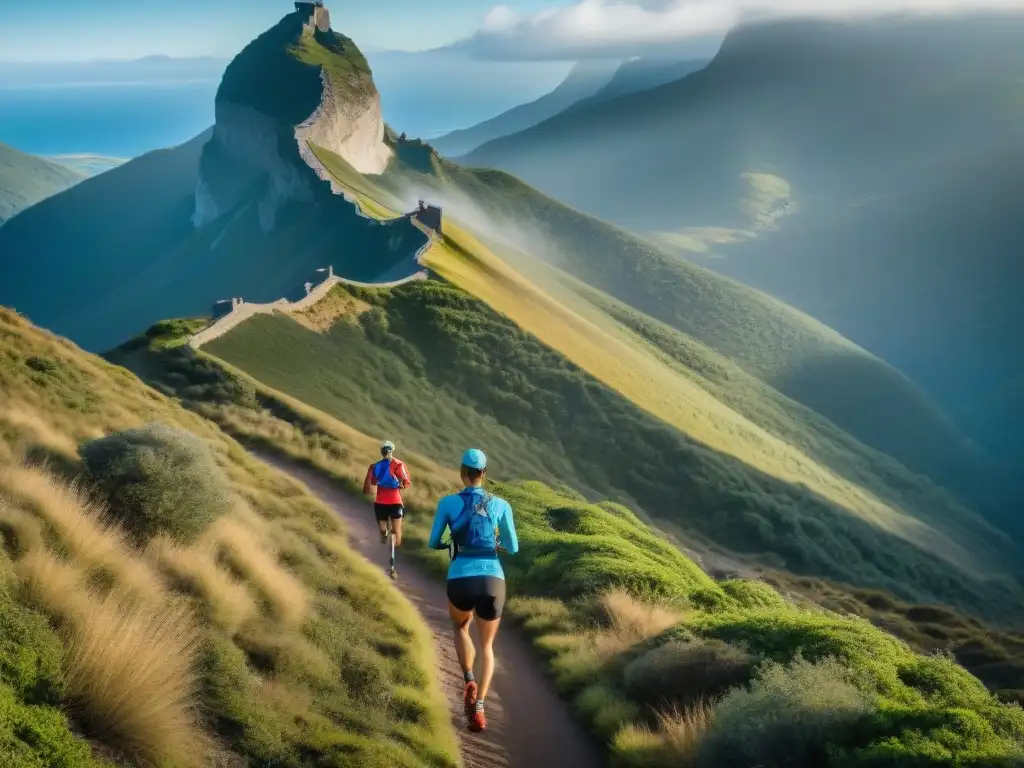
[
  {"x": 824, "y": 690},
  {"x": 866, "y": 173},
  {"x": 434, "y": 364},
  {"x": 996, "y": 657},
  {"x": 26, "y": 179},
  {"x": 34, "y": 733},
  {"x": 584, "y": 80},
  {"x": 106, "y": 259},
  {"x": 159, "y": 480},
  {"x": 294, "y": 650}
]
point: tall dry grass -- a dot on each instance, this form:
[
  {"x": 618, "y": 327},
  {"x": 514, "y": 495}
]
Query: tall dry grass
[
  {"x": 22, "y": 532},
  {"x": 629, "y": 620},
  {"x": 672, "y": 743},
  {"x": 82, "y": 527},
  {"x": 227, "y": 601},
  {"x": 129, "y": 666},
  {"x": 285, "y": 595},
  {"x": 41, "y": 431}
]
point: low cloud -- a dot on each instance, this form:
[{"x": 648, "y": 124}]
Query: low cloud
[{"x": 624, "y": 28}]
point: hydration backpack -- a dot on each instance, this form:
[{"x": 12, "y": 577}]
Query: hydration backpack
[
  {"x": 383, "y": 475},
  {"x": 473, "y": 530}
]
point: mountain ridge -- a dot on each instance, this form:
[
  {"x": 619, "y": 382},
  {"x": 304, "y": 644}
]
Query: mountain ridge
[
  {"x": 584, "y": 80},
  {"x": 27, "y": 179}
]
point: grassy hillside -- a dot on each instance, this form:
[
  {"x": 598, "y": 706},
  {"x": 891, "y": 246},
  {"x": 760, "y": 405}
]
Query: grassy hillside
[
  {"x": 652, "y": 652},
  {"x": 790, "y": 352},
  {"x": 259, "y": 637},
  {"x": 436, "y": 365},
  {"x": 862, "y": 172},
  {"x": 25, "y": 180}
]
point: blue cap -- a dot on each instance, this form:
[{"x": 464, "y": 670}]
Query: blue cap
[{"x": 474, "y": 459}]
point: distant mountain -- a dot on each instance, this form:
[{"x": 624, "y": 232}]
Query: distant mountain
[
  {"x": 866, "y": 172},
  {"x": 585, "y": 79},
  {"x": 26, "y": 179},
  {"x": 90, "y": 165},
  {"x": 642, "y": 75},
  {"x": 431, "y": 93}
]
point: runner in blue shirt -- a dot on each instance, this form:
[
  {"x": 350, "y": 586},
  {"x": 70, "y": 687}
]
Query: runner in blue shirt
[{"x": 479, "y": 524}]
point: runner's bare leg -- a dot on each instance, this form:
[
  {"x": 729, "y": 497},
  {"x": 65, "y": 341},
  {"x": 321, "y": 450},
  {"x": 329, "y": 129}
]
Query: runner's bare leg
[
  {"x": 463, "y": 642},
  {"x": 488, "y": 630}
]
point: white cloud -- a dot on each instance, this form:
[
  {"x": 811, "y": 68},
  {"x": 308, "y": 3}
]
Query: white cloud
[{"x": 623, "y": 28}]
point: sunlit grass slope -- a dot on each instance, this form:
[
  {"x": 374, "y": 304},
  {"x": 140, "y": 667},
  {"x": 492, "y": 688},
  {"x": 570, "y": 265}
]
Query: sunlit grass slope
[
  {"x": 262, "y": 638},
  {"x": 631, "y": 369}
]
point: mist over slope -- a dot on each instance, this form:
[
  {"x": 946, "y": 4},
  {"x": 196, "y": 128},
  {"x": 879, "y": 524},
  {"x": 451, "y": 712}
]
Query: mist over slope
[
  {"x": 25, "y": 180},
  {"x": 241, "y": 211},
  {"x": 863, "y": 172}
]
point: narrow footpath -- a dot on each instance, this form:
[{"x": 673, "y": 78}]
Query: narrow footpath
[{"x": 529, "y": 726}]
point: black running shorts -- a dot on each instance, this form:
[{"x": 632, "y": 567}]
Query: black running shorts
[
  {"x": 484, "y": 595},
  {"x": 385, "y": 511}
]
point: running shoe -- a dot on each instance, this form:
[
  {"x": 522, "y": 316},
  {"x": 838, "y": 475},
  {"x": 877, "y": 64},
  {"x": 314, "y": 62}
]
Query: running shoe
[
  {"x": 393, "y": 573},
  {"x": 469, "y": 698},
  {"x": 384, "y": 537},
  {"x": 478, "y": 720}
]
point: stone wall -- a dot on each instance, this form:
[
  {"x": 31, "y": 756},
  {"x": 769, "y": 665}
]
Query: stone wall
[{"x": 243, "y": 311}]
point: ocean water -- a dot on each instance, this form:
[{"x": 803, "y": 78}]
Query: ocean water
[
  {"x": 125, "y": 110},
  {"x": 113, "y": 119}
]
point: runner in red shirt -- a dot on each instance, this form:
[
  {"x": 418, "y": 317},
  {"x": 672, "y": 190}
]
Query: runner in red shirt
[{"x": 389, "y": 476}]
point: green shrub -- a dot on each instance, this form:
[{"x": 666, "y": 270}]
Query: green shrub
[
  {"x": 30, "y": 654},
  {"x": 37, "y": 737},
  {"x": 786, "y": 718},
  {"x": 158, "y": 480},
  {"x": 753, "y": 594},
  {"x": 682, "y": 673}
]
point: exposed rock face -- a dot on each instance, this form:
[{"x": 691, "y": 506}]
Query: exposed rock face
[
  {"x": 352, "y": 129},
  {"x": 273, "y": 104}
]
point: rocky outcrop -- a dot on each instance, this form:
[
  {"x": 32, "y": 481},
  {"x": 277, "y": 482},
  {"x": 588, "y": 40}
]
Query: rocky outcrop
[
  {"x": 249, "y": 141},
  {"x": 352, "y": 129},
  {"x": 273, "y": 104}
]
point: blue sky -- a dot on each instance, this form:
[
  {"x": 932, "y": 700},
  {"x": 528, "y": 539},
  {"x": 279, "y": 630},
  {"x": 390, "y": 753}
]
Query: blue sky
[{"x": 77, "y": 30}]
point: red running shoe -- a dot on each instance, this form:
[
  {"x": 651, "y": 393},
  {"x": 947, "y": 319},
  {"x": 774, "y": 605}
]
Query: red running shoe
[
  {"x": 478, "y": 720},
  {"x": 469, "y": 697}
]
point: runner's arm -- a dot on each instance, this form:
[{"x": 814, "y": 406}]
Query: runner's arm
[
  {"x": 437, "y": 530},
  {"x": 403, "y": 476},
  {"x": 507, "y": 529},
  {"x": 368, "y": 482}
]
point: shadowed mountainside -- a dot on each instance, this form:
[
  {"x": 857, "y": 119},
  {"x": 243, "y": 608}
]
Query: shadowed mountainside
[{"x": 26, "y": 179}]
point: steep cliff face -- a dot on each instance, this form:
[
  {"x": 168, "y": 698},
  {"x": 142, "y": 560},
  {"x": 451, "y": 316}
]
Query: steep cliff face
[{"x": 296, "y": 84}]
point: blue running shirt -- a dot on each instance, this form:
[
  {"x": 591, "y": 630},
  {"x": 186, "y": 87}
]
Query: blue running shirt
[{"x": 448, "y": 510}]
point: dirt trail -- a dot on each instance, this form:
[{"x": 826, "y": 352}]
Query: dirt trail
[{"x": 529, "y": 726}]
